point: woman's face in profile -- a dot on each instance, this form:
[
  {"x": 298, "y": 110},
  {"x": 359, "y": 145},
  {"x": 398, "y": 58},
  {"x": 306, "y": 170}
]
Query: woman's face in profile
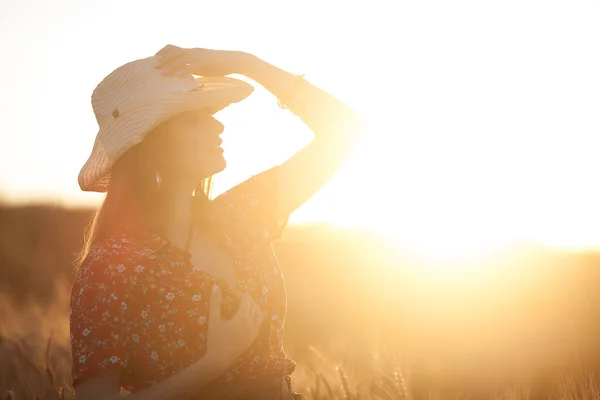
[{"x": 194, "y": 145}]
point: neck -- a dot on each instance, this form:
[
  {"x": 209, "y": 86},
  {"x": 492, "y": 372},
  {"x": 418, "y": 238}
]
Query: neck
[{"x": 179, "y": 220}]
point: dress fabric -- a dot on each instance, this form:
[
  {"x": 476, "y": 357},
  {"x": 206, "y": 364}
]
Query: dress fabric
[{"x": 139, "y": 303}]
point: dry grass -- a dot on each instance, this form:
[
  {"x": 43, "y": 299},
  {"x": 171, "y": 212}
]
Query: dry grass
[
  {"x": 34, "y": 368},
  {"x": 533, "y": 312}
]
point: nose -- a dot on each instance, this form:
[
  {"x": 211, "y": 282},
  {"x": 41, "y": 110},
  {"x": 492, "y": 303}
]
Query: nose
[{"x": 220, "y": 128}]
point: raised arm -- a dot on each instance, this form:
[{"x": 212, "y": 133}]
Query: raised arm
[{"x": 335, "y": 125}]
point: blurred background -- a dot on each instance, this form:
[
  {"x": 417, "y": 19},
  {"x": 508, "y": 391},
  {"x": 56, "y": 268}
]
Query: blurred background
[{"x": 455, "y": 253}]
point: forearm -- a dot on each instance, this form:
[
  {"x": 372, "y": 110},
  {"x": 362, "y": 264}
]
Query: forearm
[
  {"x": 185, "y": 383},
  {"x": 325, "y": 115}
]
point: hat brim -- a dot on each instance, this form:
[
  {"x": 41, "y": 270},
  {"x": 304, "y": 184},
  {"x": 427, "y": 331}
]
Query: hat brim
[{"x": 130, "y": 128}]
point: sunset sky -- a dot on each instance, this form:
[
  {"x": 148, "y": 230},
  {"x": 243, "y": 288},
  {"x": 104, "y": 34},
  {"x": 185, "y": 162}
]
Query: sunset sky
[{"x": 483, "y": 117}]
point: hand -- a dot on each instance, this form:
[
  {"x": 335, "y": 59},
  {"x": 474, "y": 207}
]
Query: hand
[
  {"x": 228, "y": 339},
  {"x": 173, "y": 60}
]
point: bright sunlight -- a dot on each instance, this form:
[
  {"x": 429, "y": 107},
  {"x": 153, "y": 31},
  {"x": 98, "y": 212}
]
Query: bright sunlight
[
  {"x": 473, "y": 143},
  {"x": 455, "y": 254}
]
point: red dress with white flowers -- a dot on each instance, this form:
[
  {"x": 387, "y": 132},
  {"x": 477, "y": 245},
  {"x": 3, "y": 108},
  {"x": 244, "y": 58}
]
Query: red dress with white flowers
[{"x": 137, "y": 302}]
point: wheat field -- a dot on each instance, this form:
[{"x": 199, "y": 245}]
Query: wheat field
[
  {"x": 364, "y": 320},
  {"x": 34, "y": 368}
]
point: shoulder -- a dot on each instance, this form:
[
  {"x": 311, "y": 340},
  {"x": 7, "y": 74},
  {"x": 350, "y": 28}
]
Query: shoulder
[
  {"x": 252, "y": 206},
  {"x": 251, "y": 192},
  {"x": 115, "y": 256}
]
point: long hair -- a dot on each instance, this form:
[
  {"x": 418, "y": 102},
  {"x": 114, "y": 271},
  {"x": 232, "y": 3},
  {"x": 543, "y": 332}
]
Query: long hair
[{"x": 136, "y": 200}]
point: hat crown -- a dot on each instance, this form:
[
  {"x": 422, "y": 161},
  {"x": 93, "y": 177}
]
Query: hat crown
[
  {"x": 135, "y": 81},
  {"x": 134, "y": 99}
]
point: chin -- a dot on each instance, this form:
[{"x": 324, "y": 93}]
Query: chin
[
  {"x": 218, "y": 165},
  {"x": 221, "y": 162},
  {"x": 222, "y": 166}
]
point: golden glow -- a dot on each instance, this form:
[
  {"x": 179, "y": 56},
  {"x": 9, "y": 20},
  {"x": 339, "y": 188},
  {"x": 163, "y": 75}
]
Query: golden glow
[{"x": 482, "y": 117}]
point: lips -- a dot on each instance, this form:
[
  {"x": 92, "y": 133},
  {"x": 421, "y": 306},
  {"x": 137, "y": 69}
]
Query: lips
[{"x": 216, "y": 146}]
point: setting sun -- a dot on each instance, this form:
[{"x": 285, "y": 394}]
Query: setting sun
[
  {"x": 472, "y": 142},
  {"x": 453, "y": 254}
]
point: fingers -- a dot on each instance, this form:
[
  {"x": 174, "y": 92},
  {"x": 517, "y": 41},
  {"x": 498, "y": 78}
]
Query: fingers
[
  {"x": 167, "y": 54},
  {"x": 256, "y": 313},
  {"x": 177, "y": 67},
  {"x": 250, "y": 312},
  {"x": 171, "y": 61},
  {"x": 254, "y": 316},
  {"x": 258, "y": 318},
  {"x": 164, "y": 50},
  {"x": 245, "y": 308},
  {"x": 216, "y": 298}
]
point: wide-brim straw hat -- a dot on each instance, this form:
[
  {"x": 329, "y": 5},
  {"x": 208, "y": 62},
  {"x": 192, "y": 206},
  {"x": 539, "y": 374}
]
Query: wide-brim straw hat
[{"x": 136, "y": 98}]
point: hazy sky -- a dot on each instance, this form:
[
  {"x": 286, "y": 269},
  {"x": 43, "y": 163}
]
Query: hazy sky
[{"x": 483, "y": 116}]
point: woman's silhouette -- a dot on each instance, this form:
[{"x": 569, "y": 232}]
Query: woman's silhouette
[{"x": 179, "y": 295}]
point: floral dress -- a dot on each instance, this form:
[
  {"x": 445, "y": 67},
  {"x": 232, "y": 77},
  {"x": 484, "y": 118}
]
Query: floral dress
[{"x": 138, "y": 303}]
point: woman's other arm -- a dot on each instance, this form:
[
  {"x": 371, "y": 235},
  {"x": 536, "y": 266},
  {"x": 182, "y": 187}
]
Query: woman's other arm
[{"x": 226, "y": 341}]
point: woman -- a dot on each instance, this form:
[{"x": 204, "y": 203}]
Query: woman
[{"x": 178, "y": 295}]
